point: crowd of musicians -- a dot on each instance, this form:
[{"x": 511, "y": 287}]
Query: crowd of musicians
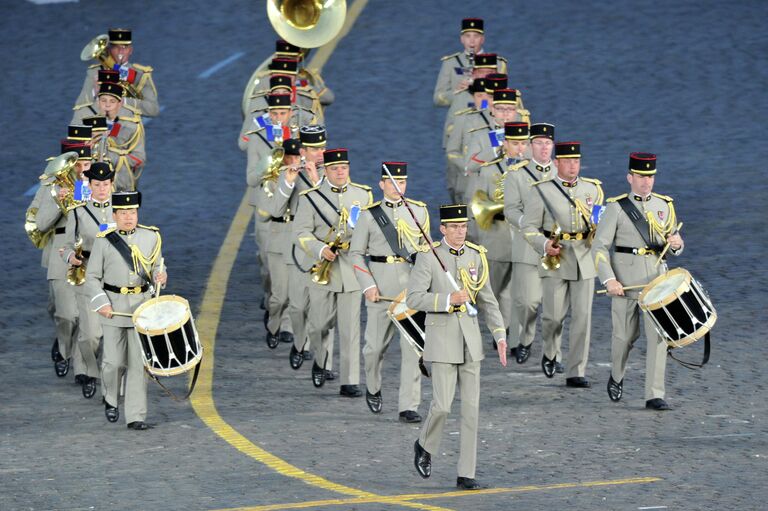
[{"x": 525, "y": 235}]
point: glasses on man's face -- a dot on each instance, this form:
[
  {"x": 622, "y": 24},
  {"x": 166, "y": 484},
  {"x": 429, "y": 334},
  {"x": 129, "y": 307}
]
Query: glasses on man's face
[{"x": 505, "y": 109}]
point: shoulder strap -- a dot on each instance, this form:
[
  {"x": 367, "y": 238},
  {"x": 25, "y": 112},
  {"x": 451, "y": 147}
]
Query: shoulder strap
[
  {"x": 90, "y": 213},
  {"x": 640, "y": 223},
  {"x": 458, "y": 60},
  {"x": 530, "y": 173},
  {"x": 125, "y": 252},
  {"x": 264, "y": 139},
  {"x": 389, "y": 231}
]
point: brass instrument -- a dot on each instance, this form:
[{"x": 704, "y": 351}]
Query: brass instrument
[
  {"x": 321, "y": 270},
  {"x": 76, "y": 274},
  {"x": 61, "y": 172},
  {"x": 274, "y": 166},
  {"x": 484, "y": 209},
  {"x": 38, "y": 239},
  {"x": 307, "y": 23},
  {"x": 549, "y": 262},
  {"x": 96, "y": 49}
]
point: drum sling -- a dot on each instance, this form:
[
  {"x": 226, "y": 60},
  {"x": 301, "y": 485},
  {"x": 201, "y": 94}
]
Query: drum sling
[
  {"x": 639, "y": 221},
  {"x": 169, "y": 392},
  {"x": 692, "y": 365},
  {"x": 390, "y": 232}
]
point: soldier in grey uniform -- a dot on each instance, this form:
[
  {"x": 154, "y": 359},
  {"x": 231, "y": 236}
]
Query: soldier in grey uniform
[
  {"x": 125, "y": 145},
  {"x": 135, "y": 77},
  {"x": 117, "y": 285},
  {"x": 84, "y": 223},
  {"x": 323, "y": 227},
  {"x": 565, "y": 203},
  {"x": 636, "y": 247},
  {"x": 453, "y": 341},
  {"x": 388, "y": 235},
  {"x": 526, "y": 281}
]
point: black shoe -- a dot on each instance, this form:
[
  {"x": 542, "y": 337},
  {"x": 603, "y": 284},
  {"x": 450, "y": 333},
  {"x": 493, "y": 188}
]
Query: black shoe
[
  {"x": 467, "y": 483},
  {"x": 296, "y": 358},
  {"x": 55, "y": 354},
  {"x": 272, "y": 340},
  {"x": 615, "y": 388},
  {"x": 657, "y": 404},
  {"x": 263, "y": 304},
  {"x": 89, "y": 387},
  {"x": 80, "y": 379},
  {"x": 559, "y": 368},
  {"x": 286, "y": 337},
  {"x": 139, "y": 425},
  {"x": 61, "y": 366},
  {"x": 111, "y": 412},
  {"x": 548, "y": 366},
  {"x": 318, "y": 375},
  {"x": 350, "y": 391},
  {"x": 410, "y": 417},
  {"x": 307, "y": 355},
  {"x": 422, "y": 460},
  {"x": 578, "y": 382},
  {"x": 329, "y": 375},
  {"x": 374, "y": 401},
  {"x": 522, "y": 353}
]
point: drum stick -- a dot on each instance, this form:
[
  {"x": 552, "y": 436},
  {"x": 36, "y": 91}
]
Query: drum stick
[
  {"x": 625, "y": 288},
  {"x": 122, "y": 314},
  {"x": 666, "y": 247},
  {"x": 387, "y": 299},
  {"x": 157, "y": 289}
]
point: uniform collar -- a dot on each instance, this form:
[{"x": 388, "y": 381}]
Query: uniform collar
[
  {"x": 101, "y": 205},
  {"x": 541, "y": 167},
  {"x": 454, "y": 251},
  {"x": 336, "y": 189},
  {"x": 640, "y": 198},
  {"x": 391, "y": 204},
  {"x": 127, "y": 233},
  {"x": 567, "y": 184}
]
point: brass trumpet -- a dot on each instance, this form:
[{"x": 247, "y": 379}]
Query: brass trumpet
[
  {"x": 549, "y": 262},
  {"x": 76, "y": 274},
  {"x": 321, "y": 270}
]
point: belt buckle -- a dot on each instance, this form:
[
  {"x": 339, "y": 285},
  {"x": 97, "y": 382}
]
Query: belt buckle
[
  {"x": 390, "y": 259},
  {"x": 463, "y": 308},
  {"x": 124, "y": 290},
  {"x": 579, "y": 236},
  {"x": 566, "y": 236},
  {"x": 641, "y": 251}
]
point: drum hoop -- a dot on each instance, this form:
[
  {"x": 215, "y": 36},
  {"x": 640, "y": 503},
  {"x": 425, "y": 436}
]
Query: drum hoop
[
  {"x": 671, "y": 297},
  {"x": 161, "y": 331},
  {"x": 176, "y": 370},
  {"x": 695, "y": 336}
]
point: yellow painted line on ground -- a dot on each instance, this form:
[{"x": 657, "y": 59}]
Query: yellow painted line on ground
[{"x": 402, "y": 499}]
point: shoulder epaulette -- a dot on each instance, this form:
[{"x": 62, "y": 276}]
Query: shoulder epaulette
[
  {"x": 517, "y": 166},
  {"x": 309, "y": 190},
  {"x": 143, "y": 69},
  {"x": 464, "y": 111},
  {"x": 98, "y": 64},
  {"x": 479, "y": 248},
  {"x": 310, "y": 93},
  {"x": 617, "y": 198},
  {"x": 450, "y": 56},
  {"x": 492, "y": 162},
  {"x": 358, "y": 185},
  {"x": 369, "y": 206},
  {"x": 103, "y": 234},
  {"x": 486, "y": 127},
  {"x": 149, "y": 227},
  {"x": 259, "y": 94},
  {"x": 417, "y": 202},
  {"x": 252, "y": 132},
  {"x": 78, "y": 107},
  {"x": 592, "y": 180},
  {"x": 435, "y": 244},
  {"x": 537, "y": 183},
  {"x": 663, "y": 197},
  {"x": 499, "y": 57}
]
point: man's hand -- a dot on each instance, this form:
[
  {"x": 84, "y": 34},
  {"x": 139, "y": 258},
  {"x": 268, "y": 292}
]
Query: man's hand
[
  {"x": 372, "y": 294},
  {"x": 63, "y": 193},
  {"x": 463, "y": 85},
  {"x": 675, "y": 241},
  {"x": 106, "y": 311},
  {"x": 311, "y": 168},
  {"x": 550, "y": 250},
  {"x": 291, "y": 173},
  {"x": 160, "y": 277},
  {"x": 74, "y": 261},
  {"x": 501, "y": 346},
  {"x": 328, "y": 254},
  {"x": 614, "y": 288},
  {"x": 459, "y": 297}
]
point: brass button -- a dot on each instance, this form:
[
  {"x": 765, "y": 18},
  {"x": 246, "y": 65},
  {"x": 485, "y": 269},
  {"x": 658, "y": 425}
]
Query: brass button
[
  {"x": 641, "y": 251},
  {"x": 579, "y": 236},
  {"x": 390, "y": 259},
  {"x": 566, "y": 236}
]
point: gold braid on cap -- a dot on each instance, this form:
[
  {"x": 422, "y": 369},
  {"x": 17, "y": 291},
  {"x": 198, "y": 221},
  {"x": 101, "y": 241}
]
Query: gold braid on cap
[
  {"x": 146, "y": 262},
  {"x": 472, "y": 287}
]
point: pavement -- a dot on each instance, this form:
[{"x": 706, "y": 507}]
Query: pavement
[{"x": 685, "y": 80}]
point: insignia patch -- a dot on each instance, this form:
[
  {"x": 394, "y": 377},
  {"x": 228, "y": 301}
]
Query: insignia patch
[
  {"x": 661, "y": 215},
  {"x": 473, "y": 272},
  {"x": 589, "y": 201}
]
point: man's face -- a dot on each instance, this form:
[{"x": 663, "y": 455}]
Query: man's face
[
  {"x": 337, "y": 173},
  {"x": 109, "y": 105},
  {"x": 482, "y": 72},
  {"x": 126, "y": 219},
  {"x": 120, "y": 53},
  {"x": 541, "y": 148},
  {"x": 515, "y": 148},
  {"x": 479, "y": 97},
  {"x": 504, "y": 113},
  {"x": 292, "y": 160},
  {"x": 81, "y": 166},
  {"x": 472, "y": 41},
  {"x": 280, "y": 115},
  {"x": 455, "y": 233},
  {"x": 568, "y": 168},
  {"x": 641, "y": 185},
  {"x": 389, "y": 189},
  {"x": 101, "y": 190},
  {"x": 314, "y": 154}
]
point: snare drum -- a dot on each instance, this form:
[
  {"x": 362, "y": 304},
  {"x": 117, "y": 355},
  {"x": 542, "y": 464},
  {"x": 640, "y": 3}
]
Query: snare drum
[
  {"x": 169, "y": 341},
  {"x": 679, "y": 307},
  {"x": 409, "y": 322}
]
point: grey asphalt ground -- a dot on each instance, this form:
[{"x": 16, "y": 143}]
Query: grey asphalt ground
[{"x": 685, "y": 80}]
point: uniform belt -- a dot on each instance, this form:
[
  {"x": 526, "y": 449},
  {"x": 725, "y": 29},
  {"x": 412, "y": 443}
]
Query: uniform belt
[
  {"x": 125, "y": 290},
  {"x": 387, "y": 259},
  {"x": 569, "y": 236},
  {"x": 282, "y": 219},
  {"x": 499, "y": 216},
  {"x": 458, "y": 308},
  {"x": 641, "y": 251},
  {"x": 60, "y": 230}
]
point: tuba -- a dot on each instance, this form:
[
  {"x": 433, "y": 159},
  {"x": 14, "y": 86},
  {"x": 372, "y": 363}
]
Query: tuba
[
  {"x": 484, "y": 209},
  {"x": 76, "y": 274},
  {"x": 274, "y": 165},
  {"x": 307, "y": 23},
  {"x": 549, "y": 262},
  {"x": 38, "y": 239},
  {"x": 61, "y": 172}
]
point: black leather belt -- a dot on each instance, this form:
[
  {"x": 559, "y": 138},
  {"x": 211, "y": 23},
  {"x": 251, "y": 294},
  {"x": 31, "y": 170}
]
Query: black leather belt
[
  {"x": 568, "y": 236},
  {"x": 387, "y": 259},
  {"x": 126, "y": 290},
  {"x": 457, "y": 308},
  {"x": 60, "y": 230},
  {"x": 641, "y": 251},
  {"x": 498, "y": 216},
  {"x": 282, "y": 219}
]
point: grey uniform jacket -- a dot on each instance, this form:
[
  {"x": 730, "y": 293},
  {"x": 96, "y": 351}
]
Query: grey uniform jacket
[
  {"x": 107, "y": 266},
  {"x": 49, "y": 217},
  {"x": 303, "y": 114},
  {"x": 312, "y": 233},
  {"x": 143, "y": 83},
  {"x": 497, "y": 239},
  {"x": 616, "y": 229},
  {"x": 429, "y": 290},
  {"x": 81, "y": 225},
  {"x": 517, "y": 186},
  {"x": 576, "y": 261},
  {"x": 465, "y": 121}
]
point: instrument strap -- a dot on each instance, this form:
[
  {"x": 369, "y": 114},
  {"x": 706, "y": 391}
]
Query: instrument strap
[
  {"x": 692, "y": 365},
  {"x": 587, "y": 221},
  {"x": 90, "y": 213},
  {"x": 92, "y": 110},
  {"x": 264, "y": 139},
  {"x": 296, "y": 260},
  {"x": 389, "y": 231},
  {"x": 530, "y": 173},
  {"x": 125, "y": 252},
  {"x": 169, "y": 392},
  {"x": 639, "y": 221},
  {"x": 458, "y": 60}
]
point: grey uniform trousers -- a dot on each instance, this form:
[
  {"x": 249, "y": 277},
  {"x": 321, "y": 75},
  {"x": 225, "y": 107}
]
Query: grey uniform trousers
[{"x": 558, "y": 296}]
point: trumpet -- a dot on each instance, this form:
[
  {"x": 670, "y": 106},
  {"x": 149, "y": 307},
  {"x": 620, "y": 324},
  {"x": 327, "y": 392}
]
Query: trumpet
[
  {"x": 321, "y": 270},
  {"x": 549, "y": 262},
  {"x": 76, "y": 274}
]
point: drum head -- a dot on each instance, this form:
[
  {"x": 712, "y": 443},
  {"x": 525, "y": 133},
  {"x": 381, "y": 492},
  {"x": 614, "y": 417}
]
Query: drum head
[
  {"x": 664, "y": 288},
  {"x": 162, "y": 314}
]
